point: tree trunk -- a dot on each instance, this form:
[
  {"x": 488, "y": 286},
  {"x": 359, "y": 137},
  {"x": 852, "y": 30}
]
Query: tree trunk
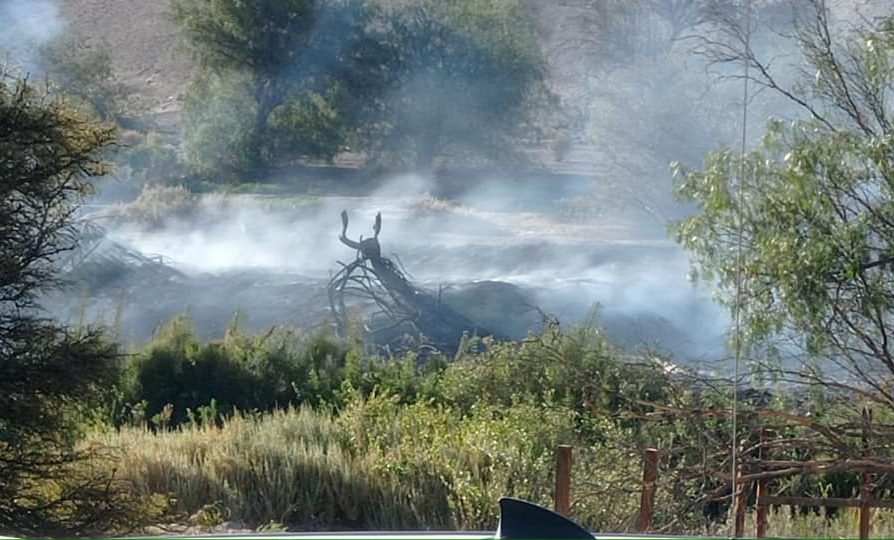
[
  {"x": 258, "y": 163},
  {"x": 426, "y": 149}
]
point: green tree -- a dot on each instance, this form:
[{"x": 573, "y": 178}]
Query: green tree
[
  {"x": 269, "y": 71},
  {"x": 49, "y": 151},
  {"x": 84, "y": 68},
  {"x": 808, "y": 216},
  {"x": 465, "y": 79}
]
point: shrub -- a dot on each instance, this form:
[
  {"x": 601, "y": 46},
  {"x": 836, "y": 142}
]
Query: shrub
[
  {"x": 288, "y": 467},
  {"x": 247, "y": 373}
]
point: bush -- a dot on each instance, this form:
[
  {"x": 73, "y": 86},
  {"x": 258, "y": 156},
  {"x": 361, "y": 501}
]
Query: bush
[
  {"x": 412, "y": 444},
  {"x": 217, "y": 129},
  {"x": 287, "y": 467},
  {"x": 150, "y": 159},
  {"x": 176, "y": 374}
]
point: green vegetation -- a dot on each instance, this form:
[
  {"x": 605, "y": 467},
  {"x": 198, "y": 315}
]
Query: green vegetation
[
  {"x": 250, "y": 425},
  {"x": 466, "y": 82},
  {"x": 176, "y": 375},
  {"x": 308, "y": 79},
  {"x": 811, "y": 209},
  {"x": 83, "y": 67},
  {"x": 285, "y": 68},
  {"x": 50, "y": 375},
  {"x": 356, "y": 441},
  {"x": 304, "y": 431}
]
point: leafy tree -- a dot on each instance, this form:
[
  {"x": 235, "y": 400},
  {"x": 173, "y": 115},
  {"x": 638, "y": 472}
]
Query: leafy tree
[
  {"x": 278, "y": 65},
  {"x": 49, "y": 151},
  {"x": 646, "y": 83},
  {"x": 84, "y": 68},
  {"x": 811, "y": 210},
  {"x": 309, "y": 78},
  {"x": 464, "y": 78}
]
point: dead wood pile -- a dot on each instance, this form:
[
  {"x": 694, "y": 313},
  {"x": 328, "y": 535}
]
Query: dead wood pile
[
  {"x": 99, "y": 262},
  {"x": 402, "y": 314}
]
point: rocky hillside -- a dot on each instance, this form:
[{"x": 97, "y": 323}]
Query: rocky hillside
[{"x": 144, "y": 44}]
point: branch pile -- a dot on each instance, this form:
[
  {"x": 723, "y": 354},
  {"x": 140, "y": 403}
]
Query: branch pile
[{"x": 401, "y": 310}]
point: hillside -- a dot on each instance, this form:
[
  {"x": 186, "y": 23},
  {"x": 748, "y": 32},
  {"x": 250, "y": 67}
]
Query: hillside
[
  {"x": 148, "y": 57},
  {"x": 144, "y": 44}
]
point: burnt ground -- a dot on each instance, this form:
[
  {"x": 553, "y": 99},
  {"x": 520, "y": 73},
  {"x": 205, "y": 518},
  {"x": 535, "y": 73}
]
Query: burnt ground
[{"x": 270, "y": 259}]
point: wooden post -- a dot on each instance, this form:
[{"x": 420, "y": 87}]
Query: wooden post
[
  {"x": 865, "y": 501},
  {"x": 763, "y": 486},
  {"x": 647, "y": 500},
  {"x": 739, "y": 500},
  {"x": 866, "y": 480},
  {"x": 563, "y": 479}
]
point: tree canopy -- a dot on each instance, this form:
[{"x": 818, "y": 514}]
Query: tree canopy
[
  {"x": 465, "y": 76},
  {"x": 49, "y": 150},
  {"x": 811, "y": 210},
  {"x": 288, "y": 69},
  {"x": 309, "y": 79}
]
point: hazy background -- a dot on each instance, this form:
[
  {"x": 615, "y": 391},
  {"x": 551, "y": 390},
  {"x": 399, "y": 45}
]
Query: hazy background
[{"x": 588, "y": 231}]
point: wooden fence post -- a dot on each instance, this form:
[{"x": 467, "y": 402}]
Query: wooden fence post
[
  {"x": 865, "y": 501},
  {"x": 866, "y": 480},
  {"x": 763, "y": 486},
  {"x": 647, "y": 500},
  {"x": 563, "y": 479},
  {"x": 739, "y": 500}
]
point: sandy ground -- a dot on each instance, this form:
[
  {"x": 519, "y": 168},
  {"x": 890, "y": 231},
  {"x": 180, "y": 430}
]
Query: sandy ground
[{"x": 145, "y": 50}]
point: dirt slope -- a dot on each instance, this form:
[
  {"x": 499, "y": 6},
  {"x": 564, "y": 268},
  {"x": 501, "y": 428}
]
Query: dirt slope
[{"x": 144, "y": 43}]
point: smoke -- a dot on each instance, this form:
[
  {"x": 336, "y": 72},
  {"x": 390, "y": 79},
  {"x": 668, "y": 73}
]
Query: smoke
[
  {"x": 652, "y": 103},
  {"x": 271, "y": 258},
  {"x": 27, "y": 25}
]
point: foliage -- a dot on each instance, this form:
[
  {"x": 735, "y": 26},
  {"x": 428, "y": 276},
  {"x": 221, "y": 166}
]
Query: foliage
[
  {"x": 464, "y": 77},
  {"x": 157, "y": 206},
  {"x": 149, "y": 160},
  {"x": 809, "y": 211},
  {"x": 434, "y": 443},
  {"x": 796, "y": 235},
  {"x": 176, "y": 375},
  {"x": 281, "y": 66},
  {"x": 485, "y": 430},
  {"x": 50, "y": 375},
  {"x": 83, "y": 67},
  {"x": 308, "y": 79}
]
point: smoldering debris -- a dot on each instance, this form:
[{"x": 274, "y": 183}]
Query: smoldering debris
[
  {"x": 97, "y": 262},
  {"x": 134, "y": 292},
  {"x": 403, "y": 313},
  {"x": 270, "y": 260}
]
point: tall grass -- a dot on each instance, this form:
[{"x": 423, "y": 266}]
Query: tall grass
[
  {"x": 784, "y": 523},
  {"x": 392, "y": 443},
  {"x": 379, "y": 465},
  {"x": 291, "y": 466}
]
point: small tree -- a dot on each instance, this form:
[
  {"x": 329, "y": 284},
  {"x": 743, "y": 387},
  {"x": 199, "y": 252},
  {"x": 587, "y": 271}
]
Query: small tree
[
  {"x": 465, "y": 76},
  {"x": 807, "y": 216},
  {"x": 49, "y": 150},
  {"x": 277, "y": 64}
]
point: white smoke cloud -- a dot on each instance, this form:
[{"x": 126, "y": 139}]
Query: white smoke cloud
[
  {"x": 566, "y": 269},
  {"x": 25, "y": 25}
]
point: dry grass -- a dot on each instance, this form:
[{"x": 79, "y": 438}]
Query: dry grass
[
  {"x": 430, "y": 206},
  {"x": 309, "y": 471},
  {"x": 846, "y": 524},
  {"x": 158, "y": 206},
  {"x": 289, "y": 467}
]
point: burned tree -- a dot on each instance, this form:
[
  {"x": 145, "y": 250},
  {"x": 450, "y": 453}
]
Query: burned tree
[{"x": 400, "y": 309}]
